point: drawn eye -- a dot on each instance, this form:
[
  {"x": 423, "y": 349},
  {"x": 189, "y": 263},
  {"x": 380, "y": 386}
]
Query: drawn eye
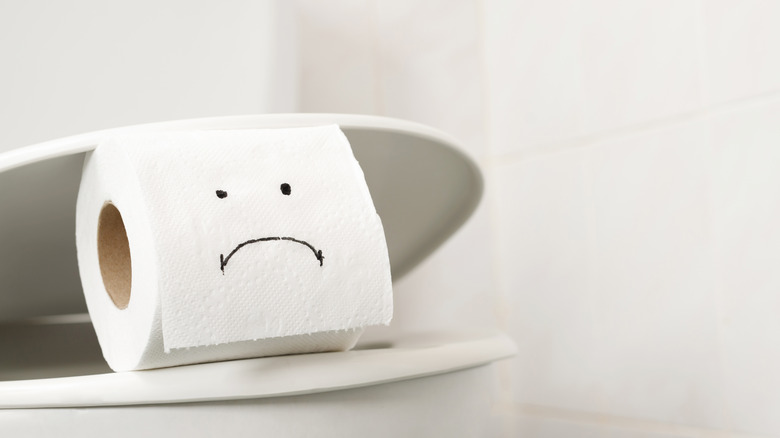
[
  {"x": 286, "y": 189},
  {"x": 221, "y": 194}
]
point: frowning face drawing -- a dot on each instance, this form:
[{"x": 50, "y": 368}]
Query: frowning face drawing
[{"x": 286, "y": 190}]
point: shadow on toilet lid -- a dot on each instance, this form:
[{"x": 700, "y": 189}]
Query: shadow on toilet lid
[
  {"x": 48, "y": 374},
  {"x": 423, "y": 185}
]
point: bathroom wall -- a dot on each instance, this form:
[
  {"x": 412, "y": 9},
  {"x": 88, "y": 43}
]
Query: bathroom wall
[
  {"x": 81, "y": 65},
  {"x": 627, "y": 240}
]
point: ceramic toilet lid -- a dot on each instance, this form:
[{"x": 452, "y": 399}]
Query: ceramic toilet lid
[
  {"x": 406, "y": 357},
  {"x": 423, "y": 185}
]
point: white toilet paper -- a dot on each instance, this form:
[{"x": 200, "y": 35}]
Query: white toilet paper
[{"x": 214, "y": 245}]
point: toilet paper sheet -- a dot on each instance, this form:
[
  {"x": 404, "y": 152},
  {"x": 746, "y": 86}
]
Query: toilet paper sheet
[{"x": 239, "y": 243}]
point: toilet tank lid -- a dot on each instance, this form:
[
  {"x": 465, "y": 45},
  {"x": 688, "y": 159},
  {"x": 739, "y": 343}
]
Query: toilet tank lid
[{"x": 423, "y": 184}]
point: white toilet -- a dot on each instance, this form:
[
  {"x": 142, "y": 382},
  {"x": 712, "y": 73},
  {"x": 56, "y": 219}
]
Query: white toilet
[{"x": 53, "y": 378}]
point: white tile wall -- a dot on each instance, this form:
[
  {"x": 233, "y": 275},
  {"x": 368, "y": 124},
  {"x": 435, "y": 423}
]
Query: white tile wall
[
  {"x": 536, "y": 421},
  {"x": 638, "y": 61},
  {"x": 424, "y": 80},
  {"x": 536, "y": 93},
  {"x": 386, "y": 58},
  {"x": 561, "y": 69},
  {"x": 337, "y": 43},
  {"x": 606, "y": 258},
  {"x": 631, "y": 155},
  {"x": 542, "y": 257},
  {"x": 746, "y": 207},
  {"x": 652, "y": 281},
  {"x": 741, "y": 48}
]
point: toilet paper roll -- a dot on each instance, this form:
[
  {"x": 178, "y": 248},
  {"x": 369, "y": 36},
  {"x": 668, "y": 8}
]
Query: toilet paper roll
[{"x": 215, "y": 245}]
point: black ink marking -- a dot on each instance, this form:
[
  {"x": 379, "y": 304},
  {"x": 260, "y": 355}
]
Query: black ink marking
[
  {"x": 286, "y": 189},
  {"x": 221, "y": 194},
  {"x": 223, "y": 261}
]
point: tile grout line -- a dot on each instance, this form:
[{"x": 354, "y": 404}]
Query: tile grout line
[
  {"x": 488, "y": 164},
  {"x": 616, "y": 421}
]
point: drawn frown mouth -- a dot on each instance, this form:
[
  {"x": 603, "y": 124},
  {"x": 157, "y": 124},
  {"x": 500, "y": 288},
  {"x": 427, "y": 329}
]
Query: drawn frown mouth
[{"x": 223, "y": 261}]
